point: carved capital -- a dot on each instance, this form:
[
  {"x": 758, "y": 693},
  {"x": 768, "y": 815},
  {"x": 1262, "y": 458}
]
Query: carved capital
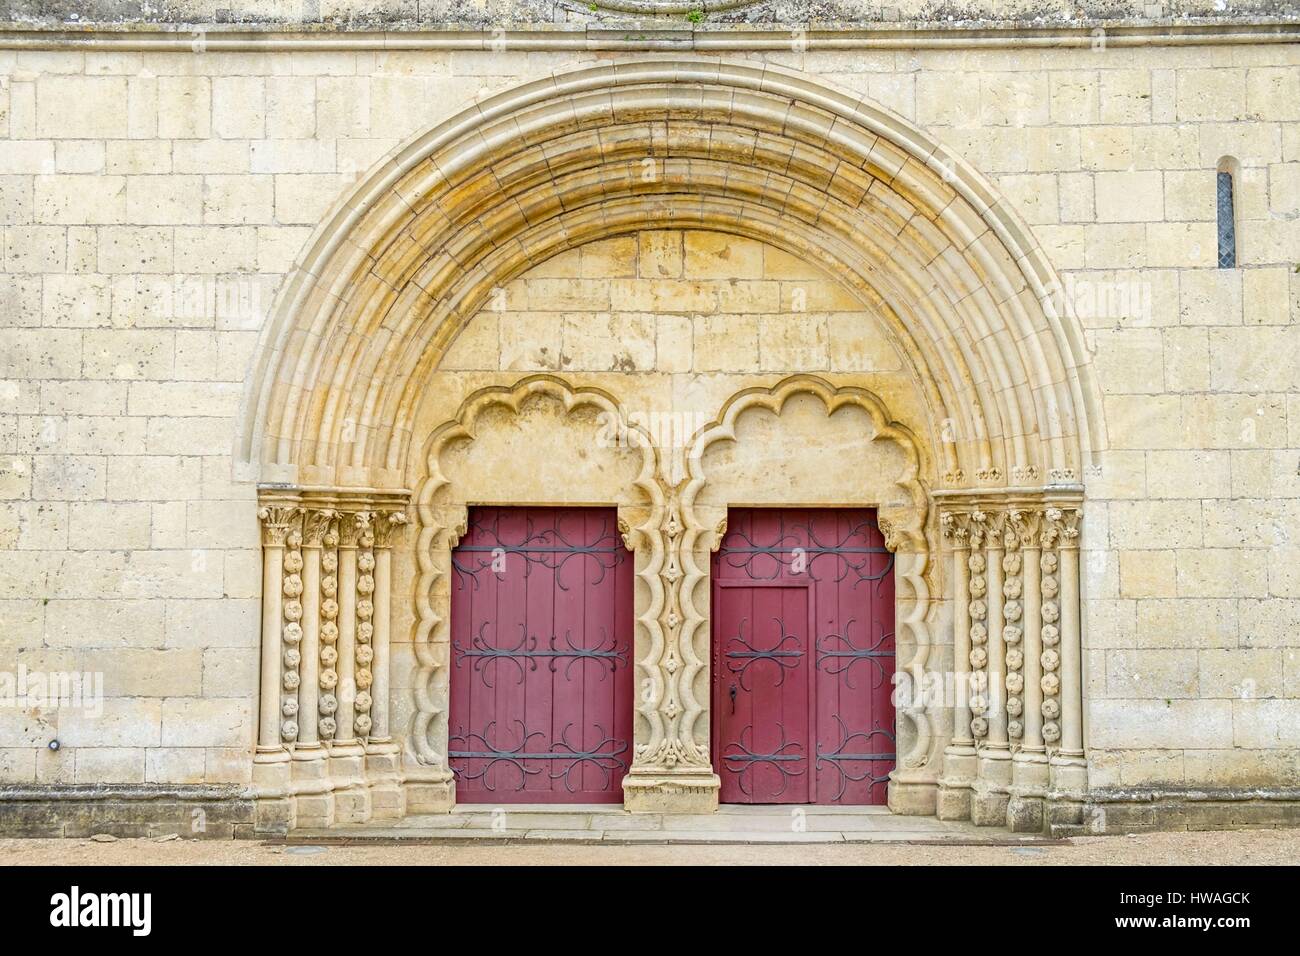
[
  {"x": 998, "y": 528},
  {"x": 1062, "y": 524},
  {"x": 316, "y": 525},
  {"x": 350, "y": 527},
  {"x": 364, "y": 523},
  {"x": 1027, "y": 524},
  {"x": 956, "y": 528},
  {"x": 387, "y": 526},
  {"x": 277, "y": 522}
]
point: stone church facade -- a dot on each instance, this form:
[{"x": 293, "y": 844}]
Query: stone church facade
[{"x": 289, "y": 294}]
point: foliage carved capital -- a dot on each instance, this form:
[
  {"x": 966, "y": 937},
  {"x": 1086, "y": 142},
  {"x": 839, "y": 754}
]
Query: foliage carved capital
[{"x": 277, "y": 521}]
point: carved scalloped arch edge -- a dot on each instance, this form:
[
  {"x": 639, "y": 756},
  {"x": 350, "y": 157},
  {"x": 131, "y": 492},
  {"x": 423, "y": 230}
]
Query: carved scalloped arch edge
[
  {"x": 907, "y": 528},
  {"x": 435, "y": 537}
]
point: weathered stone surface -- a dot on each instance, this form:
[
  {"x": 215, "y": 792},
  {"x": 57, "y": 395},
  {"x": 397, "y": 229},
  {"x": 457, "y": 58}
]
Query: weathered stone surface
[{"x": 155, "y": 202}]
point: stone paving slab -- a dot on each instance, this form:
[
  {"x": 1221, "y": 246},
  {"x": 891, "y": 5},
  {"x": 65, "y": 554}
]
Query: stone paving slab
[
  {"x": 720, "y": 837},
  {"x": 613, "y": 825}
]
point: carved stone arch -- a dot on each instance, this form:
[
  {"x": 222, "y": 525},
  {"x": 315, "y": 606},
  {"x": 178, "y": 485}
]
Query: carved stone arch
[
  {"x": 959, "y": 285},
  {"x": 442, "y": 499},
  {"x": 412, "y": 253},
  {"x": 904, "y": 518}
]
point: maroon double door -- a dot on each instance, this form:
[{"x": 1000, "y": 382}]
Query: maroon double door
[
  {"x": 541, "y": 657},
  {"x": 541, "y": 652},
  {"x": 803, "y": 658}
]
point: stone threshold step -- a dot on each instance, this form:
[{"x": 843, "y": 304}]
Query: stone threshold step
[{"x": 392, "y": 836}]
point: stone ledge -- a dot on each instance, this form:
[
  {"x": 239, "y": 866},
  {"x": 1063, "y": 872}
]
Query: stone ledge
[
  {"x": 1102, "y": 795},
  {"x": 1114, "y": 811},
  {"x": 225, "y": 812},
  {"x": 522, "y": 36}
]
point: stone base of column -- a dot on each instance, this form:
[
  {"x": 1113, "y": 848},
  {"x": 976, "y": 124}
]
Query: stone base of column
[
  {"x": 314, "y": 810},
  {"x": 1025, "y": 814},
  {"x": 271, "y": 767},
  {"x": 671, "y": 791},
  {"x": 273, "y": 812},
  {"x": 1072, "y": 817},
  {"x": 1066, "y": 795},
  {"x": 954, "y": 796},
  {"x": 385, "y": 795},
  {"x": 352, "y": 805},
  {"x": 428, "y": 790},
  {"x": 1068, "y": 776},
  {"x": 312, "y": 788},
  {"x": 912, "y": 798},
  {"x": 991, "y": 791},
  {"x": 273, "y": 815},
  {"x": 1029, "y": 779},
  {"x": 347, "y": 779}
]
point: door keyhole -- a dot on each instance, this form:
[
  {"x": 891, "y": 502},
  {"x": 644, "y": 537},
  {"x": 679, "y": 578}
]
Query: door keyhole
[{"x": 732, "y": 693}]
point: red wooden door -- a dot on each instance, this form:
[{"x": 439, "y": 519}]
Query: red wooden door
[
  {"x": 803, "y": 658},
  {"x": 541, "y": 679}
]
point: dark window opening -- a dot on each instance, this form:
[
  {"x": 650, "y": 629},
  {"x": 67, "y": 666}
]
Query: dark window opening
[{"x": 1227, "y": 223}]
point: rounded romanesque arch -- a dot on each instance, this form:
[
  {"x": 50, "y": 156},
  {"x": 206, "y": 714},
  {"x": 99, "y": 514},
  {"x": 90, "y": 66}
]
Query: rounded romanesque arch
[
  {"x": 410, "y": 255},
  {"x": 1008, "y": 419}
]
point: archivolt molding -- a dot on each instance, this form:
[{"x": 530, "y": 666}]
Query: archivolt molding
[
  {"x": 442, "y": 519},
  {"x": 406, "y": 260},
  {"x": 904, "y": 523}
]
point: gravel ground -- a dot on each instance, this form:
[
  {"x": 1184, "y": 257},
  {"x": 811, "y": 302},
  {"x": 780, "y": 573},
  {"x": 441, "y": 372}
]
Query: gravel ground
[{"x": 1241, "y": 847}]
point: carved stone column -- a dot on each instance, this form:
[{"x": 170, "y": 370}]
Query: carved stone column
[
  {"x": 345, "y": 734},
  {"x": 382, "y": 755},
  {"x": 324, "y": 598},
  {"x": 993, "y": 777},
  {"x": 959, "y": 756},
  {"x": 327, "y": 702},
  {"x": 671, "y": 769},
  {"x": 276, "y": 524},
  {"x": 315, "y": 525},
  {"x": 346, "y": 753},
  {"x": 276, "y": 712},
  {"x": 1069, "y": 768},
  {"x": 313, "y": 793},
  {"x": 1029, "y": 762}
]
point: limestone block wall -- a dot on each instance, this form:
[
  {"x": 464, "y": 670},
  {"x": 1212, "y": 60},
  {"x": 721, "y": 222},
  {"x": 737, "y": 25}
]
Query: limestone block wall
[{"x": 153, "y": 202}]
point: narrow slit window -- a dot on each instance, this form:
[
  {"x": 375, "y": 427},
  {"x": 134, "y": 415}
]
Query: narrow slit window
[{"x": 1227, "y": 222}]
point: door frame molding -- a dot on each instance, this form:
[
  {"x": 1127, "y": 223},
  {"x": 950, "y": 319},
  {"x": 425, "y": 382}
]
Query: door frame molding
[
  {"x": 442, "y": 509},
  {"x": 906, "y": 521}
]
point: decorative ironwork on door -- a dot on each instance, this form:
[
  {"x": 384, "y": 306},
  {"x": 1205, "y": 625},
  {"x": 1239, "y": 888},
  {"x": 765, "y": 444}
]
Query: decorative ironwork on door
[
  {"x": 803, "y": 658},
  {"x": 541, "y": 681}
]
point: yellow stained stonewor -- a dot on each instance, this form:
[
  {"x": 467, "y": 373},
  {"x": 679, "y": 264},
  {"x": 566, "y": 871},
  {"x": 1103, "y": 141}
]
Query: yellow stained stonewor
[{"x": 973, "y": 286}]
